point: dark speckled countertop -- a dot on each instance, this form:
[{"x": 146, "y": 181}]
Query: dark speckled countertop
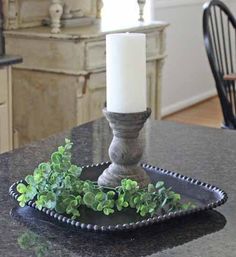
[{"x": 203, "y": 153}]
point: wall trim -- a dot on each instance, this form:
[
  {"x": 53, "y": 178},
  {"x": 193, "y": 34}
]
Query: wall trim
[
  {"x": 187, "y": 103},
  {"x": 176, "y": 3}
]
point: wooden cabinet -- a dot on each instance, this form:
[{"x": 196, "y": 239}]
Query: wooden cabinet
[
  {"x": 62, "y": 81},
  {"x": 5, "y": 109}
]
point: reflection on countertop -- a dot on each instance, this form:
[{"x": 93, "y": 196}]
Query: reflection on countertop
[{"x": 44, "y": 236}]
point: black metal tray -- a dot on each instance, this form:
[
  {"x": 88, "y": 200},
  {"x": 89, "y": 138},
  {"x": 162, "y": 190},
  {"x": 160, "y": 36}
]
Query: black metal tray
[{"x": 203, "y": 195}]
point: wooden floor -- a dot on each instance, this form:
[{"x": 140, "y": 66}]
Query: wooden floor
[{"x": 207, "y": 113}]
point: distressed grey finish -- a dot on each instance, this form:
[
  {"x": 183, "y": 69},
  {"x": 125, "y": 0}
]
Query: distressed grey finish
[{"x": 126, "y": 149}]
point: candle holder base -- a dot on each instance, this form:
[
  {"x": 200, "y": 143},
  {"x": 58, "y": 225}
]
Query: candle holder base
[
  {"x": 126, "y": 149},
  {"x": 113, "y": 175}
]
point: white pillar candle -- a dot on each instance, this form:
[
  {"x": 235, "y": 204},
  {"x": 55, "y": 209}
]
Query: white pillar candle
[{"x": 126, "y": 72}]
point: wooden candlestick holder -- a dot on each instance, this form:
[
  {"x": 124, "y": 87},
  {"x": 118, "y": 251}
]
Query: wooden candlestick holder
[{"x": 126, "y": 149}]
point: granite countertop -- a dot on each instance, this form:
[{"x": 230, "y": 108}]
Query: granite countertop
[
  {"x": 9, "y": 60},
  {"x": 203, "y": 153}
]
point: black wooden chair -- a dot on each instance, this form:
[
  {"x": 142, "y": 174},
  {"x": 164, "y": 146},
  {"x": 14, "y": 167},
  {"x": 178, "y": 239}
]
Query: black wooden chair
[{"x": 219, "y": 29}]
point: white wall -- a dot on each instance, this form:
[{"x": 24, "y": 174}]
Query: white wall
[{"x": 187, "y": 77}]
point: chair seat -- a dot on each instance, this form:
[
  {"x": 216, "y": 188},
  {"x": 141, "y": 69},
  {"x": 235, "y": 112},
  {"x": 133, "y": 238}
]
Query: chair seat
[{"x": 230, "y": 77}]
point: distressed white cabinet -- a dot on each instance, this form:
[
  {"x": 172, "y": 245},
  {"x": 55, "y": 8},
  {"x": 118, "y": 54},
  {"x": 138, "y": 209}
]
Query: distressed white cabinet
[
  {"x": 5, "y": 109},
  {"x": 62, "y": 81}
]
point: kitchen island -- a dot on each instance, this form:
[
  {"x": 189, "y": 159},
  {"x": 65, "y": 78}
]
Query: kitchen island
[{"x": 203, "y": 153}]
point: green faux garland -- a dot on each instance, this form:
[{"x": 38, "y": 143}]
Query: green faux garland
[{"x": 57, "y": 185}]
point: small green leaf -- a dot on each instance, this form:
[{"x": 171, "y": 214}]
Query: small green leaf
[
  {"x": 49, "y": 201},
  {"x": 164, "y": 202},
  {"x": 61, "y": 150},
  {"x": 22, "y": 204},
  {"x": 75, "y": 170},
  {"x": 21, "y": 188},
  {"x": 56, "y": 167},
  {"x": 30, "y": 180},
  {"x": 136, "y": 199},
  {"x": 60, "y": 207},
  {"x": 125, "y": 204},
  {"x": 108, "y": 211},
  {"x": 56, "y": 158},
  {"x": 31, "y": 192},
  {"x": 89, "y": 198},
  {"x": 159, "y": 184},
  {"x": 38, "y": 176},
  {"x": 151, "y": 188},
  {"x": 100, "y": 196},
  {"x": 78, "y": 199},
  {"x": 100, "y": 207},
  {"x": 110, "y": 194},
  {"x": 110, "y": 203},
  {"x": 44, "y": 166},
  {"x": 21, "y": 198},
  {"x": 67, "y": 141},
  {"x": 75, "y": 213},
  {"x": 161, "y": 190}
]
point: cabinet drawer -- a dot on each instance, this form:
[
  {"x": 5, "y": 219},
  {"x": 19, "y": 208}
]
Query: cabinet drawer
[
  {"x": 3, "y": 86},
  {"x": 97, "y": 81},
  {"x": 47, "y": 54},
  {"x": 95, "y": 55},
  {"x": 96, "y": 51}
]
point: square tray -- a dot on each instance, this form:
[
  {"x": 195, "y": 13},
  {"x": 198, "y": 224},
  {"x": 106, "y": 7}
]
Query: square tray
[{"x": 204, "y": 196}]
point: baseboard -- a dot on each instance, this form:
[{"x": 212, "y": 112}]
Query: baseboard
[
  {"x": 177, "y": 3},
  {"x": 187, "y": 103}
]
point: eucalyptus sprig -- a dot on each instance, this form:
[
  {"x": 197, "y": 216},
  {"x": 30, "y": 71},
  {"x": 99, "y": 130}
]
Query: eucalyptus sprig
[{"x": 56, "y": 184}]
